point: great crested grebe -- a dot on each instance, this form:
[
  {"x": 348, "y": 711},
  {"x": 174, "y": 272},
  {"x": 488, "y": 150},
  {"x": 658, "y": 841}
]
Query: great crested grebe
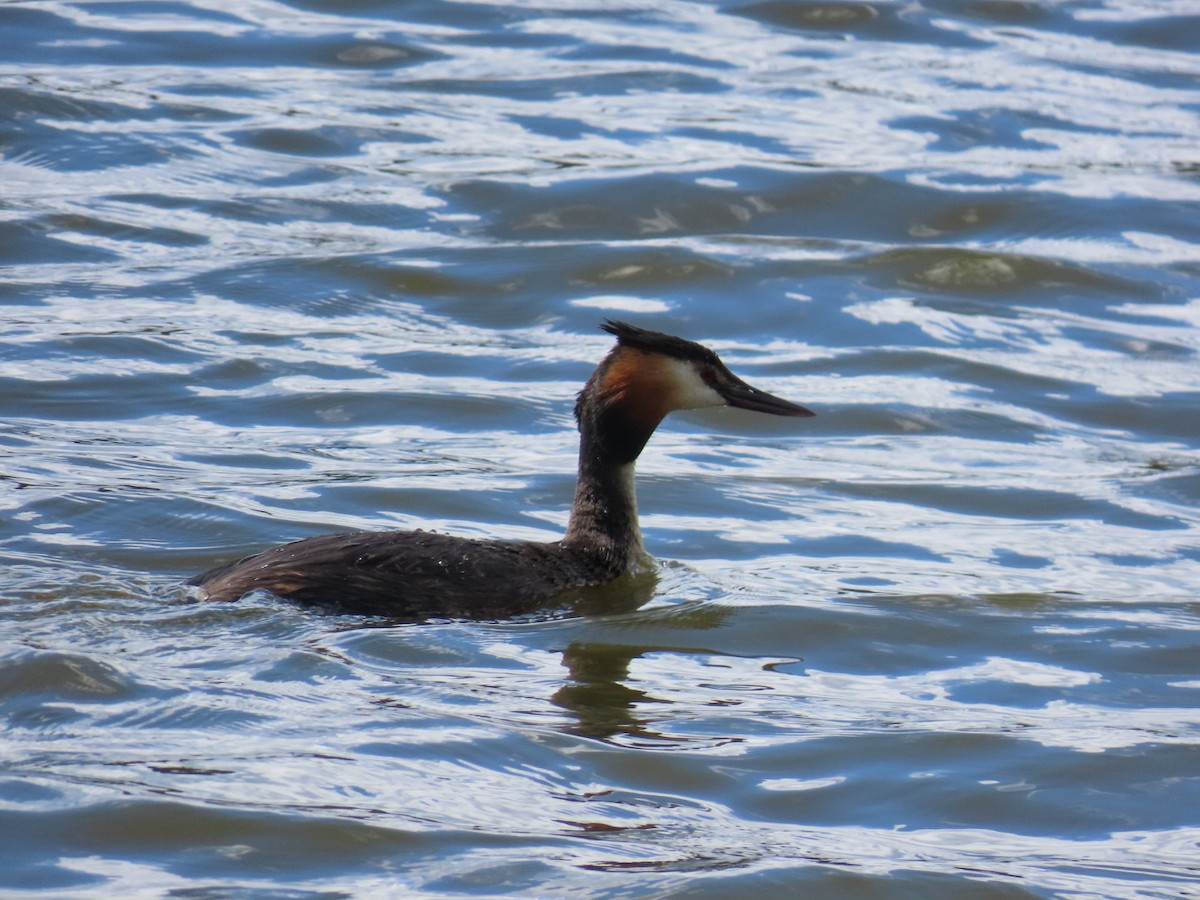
[{"x": 421, "y": 574}]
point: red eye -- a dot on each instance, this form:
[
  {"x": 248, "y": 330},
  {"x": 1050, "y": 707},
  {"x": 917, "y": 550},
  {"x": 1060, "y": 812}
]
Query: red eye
[{"x": 708, "y": 375}]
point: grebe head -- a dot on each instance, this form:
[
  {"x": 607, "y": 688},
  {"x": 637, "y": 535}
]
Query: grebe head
[{"x": 649, "y": 374}]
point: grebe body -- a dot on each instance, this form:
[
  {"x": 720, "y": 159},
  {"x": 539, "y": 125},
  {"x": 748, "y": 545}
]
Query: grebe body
[{"x": 420, "y": 574}]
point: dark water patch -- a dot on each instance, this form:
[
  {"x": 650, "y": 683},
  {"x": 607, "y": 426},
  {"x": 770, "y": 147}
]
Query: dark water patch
[
  {"x": 818, "y": 206},
  {"x": 206, "y": 88},
  {"x": 812, "y": 15},
  {"x": 318, "y": 142},
  {"x": 706, "y": 499},
  {"x": 1161, "y": 350},
  {"x": 26, "y": 30},
  {"x": 79, "y": 399},
  {"x": 238, "y": 373},
  {"x": 61, "y": 676},
  {"x": 594, "y": 212},
  {"x": 52, "y": 102},
  {"x": 968, "y": 218},
  {"x": 860, "y": 21},
  {"x": 499, "y": 25},
  {"x": 427, "y": 503},
  {"x": 972, "y": 272},
  {"x": 390, "y": 647},
  {"x": 1171, "y": 417},
  {"x": 900, "y": 419},
  {"x": 1030, "y": 504},
  {"x": 492, "y": 292},
  {"x": 125, "y": 231},
  {"x": 1008, "y": 12},
  {"x": 788, "y": 639},
  {"x": 224, "y": 39},
  {"x": 355, "y": 288},
  {"x": 1166, "y": 32},
  {"x": 380, "y": 54},
  {"x": 967, "y": 780},
  {"x": 32, "y": 243},
  {"x": 266, "y": 209},
  {"x": 89, "y": 152},
  {"x": 166, "y": 202},
  {"x": 398, "y": 280},
  {"x": 757, "y": 202},
  {"x": 822, "y": 875},
  {"x": 1183, "y": 487},
  {"x": 929, "y": 363},
  {"x": 153, "y": 346},
  {"x": 650, "y": 269},
  {"x": 335, "y": 409},
  {"x": 548, "y": 88},
  {"x": 194, "y": 841},
  {"x": 62, "y": 127},
  {"x": 39, "y": 103}
]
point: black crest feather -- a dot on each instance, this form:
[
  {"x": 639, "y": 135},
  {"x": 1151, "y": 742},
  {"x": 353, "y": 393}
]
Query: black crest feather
[{"x": 656, "y": 342}]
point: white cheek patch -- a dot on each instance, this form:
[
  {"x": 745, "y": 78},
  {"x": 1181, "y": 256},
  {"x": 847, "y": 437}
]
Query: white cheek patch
[{"x": 688, "y": 390}]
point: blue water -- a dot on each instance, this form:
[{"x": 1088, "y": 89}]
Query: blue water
[{"x": 274, "y": 270}]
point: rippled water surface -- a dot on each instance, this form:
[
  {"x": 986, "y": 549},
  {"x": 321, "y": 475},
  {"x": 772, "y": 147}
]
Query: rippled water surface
[{"x": 274, "y": 270}]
